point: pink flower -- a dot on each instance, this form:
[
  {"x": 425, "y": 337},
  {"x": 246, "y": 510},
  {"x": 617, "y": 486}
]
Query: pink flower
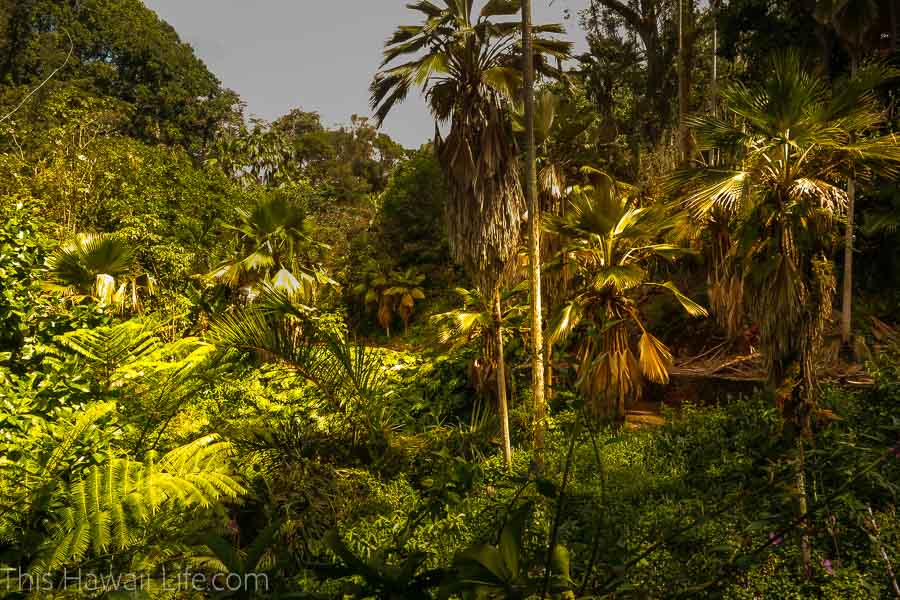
[
  {"x": 776, "y": 538},
  {"x": 232, "y": 526},
  {"x": 828, "y": 566}
]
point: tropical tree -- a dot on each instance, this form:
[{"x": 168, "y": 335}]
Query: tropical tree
[
  {"x": 273, "y": 244},
  {"x": 852, "y": 20},
  {"x": 99, "y": 266},
  {"x": 406, "y": 289},
  {"x": 611, "y": 245},
  {"x": 474, "y": 322},
  {"x": 467, "y": 63},
  {"x": 391, "y": 293},
  {"x": 566, "y": 147},
  {"x": 534, "y": 232},
  {"x": 350, "y": 377},
  {"x": 785, "y": 142}
]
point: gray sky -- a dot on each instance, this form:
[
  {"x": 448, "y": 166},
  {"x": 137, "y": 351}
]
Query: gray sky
[{"x": 313, "y": 54}]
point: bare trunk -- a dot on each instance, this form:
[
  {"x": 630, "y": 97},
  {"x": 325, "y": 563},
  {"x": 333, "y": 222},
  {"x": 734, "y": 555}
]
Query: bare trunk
[
  {"x": 549, "y": 370},
  {"x": 534, "y": 241},
  {"x": 714, "y": 92},
  {"x": 502, "y": 407},
  {"x": 683, "y": 84},
  {"x": 847, "y": 299}
]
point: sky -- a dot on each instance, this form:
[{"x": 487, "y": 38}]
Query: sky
[{"x": 313, "y": 54}]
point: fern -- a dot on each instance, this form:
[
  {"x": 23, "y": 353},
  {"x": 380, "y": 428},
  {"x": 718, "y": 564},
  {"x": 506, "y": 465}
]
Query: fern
[
  {"x": 63, "y": 450},
  {"x": 106, "y": 349},
  {"x": 109, "y": 506}
]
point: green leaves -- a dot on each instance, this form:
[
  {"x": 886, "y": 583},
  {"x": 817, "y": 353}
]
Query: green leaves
[
  {"x": 110, "y": 504},
  {"x": 692, "y": 308},
  {"x": 504, "y": 570},
  {"x": 102, "y": 266}
]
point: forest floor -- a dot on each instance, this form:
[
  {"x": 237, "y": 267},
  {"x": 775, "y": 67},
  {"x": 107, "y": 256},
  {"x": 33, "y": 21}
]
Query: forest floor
[{"x": 644, "y": 413}]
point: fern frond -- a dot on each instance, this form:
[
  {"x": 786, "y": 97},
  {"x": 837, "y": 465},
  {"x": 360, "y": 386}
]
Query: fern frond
[
  {"x": 64, "y": 448},
  {"x": 107, "y": 508}
]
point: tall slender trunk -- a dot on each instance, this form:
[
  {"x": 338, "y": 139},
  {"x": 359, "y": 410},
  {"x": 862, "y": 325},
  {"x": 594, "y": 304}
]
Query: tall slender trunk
[
  {"x": 847, "y": 299},
  {"x": 714, "y": 92},
  {"x": 534, "y": 240},
  {"x": 682, "y": 85},
  {"x": 502, "y": 406}
]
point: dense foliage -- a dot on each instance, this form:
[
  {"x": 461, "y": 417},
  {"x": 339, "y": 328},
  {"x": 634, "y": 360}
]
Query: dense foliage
[{"x": 277, "y": 360}]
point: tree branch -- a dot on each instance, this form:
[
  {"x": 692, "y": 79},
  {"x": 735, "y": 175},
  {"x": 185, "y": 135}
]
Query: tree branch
[{"x": 49, "y": 77}]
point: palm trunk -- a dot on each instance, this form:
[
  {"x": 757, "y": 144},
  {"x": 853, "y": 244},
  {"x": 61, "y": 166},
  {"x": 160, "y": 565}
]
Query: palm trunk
[
  {"x": 534, "y": 241},
  {"x": 793, "y": 382},
  {"x": 502, "y": 406},
  {"x": 847, "y": 299},
  {"x": 801, "y": 511}
]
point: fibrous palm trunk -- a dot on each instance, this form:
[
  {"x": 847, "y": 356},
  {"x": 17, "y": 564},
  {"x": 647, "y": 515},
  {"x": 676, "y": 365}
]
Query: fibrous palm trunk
[{"x": 534, "y": 241}]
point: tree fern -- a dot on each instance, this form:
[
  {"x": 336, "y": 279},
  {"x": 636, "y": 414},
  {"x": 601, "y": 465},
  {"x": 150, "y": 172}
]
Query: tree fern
[
  {"x": 64, "y": 448},
  {"x": 108, "y": 507},
  {"x": 105, "y": 349}
]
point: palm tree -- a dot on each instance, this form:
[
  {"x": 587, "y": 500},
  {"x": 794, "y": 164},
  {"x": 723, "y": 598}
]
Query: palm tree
[
  {"x": 274, "y": 246},
  {"x": 852, "y": 21},
  {"x": 611, "y": 244},
  {"x": 101, "y": 266},
  {"x": 474, "y": 321},
  {"x": 406, "y": 288},
  {"x": 350, "y": 376},
  {"x": 565, "y": 143},
  {"x": 467, "y": 65},
  {"x": 391, "y": 293},
  {"x": 788, "y": 141}
]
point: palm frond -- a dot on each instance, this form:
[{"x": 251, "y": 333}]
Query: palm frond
[
  {"x": 692, "y": 308},
  {"x": 655, "y": 358}
]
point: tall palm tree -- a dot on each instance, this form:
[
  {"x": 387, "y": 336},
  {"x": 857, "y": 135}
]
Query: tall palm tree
[
  {"x": 273, "y": 246},
  {"x": 101, "y": 266},
  {"x": 786, "y": 142},
  {"x": 467, "y": 64},
  {"x": 612, "y": 243},
  {"x": 534, "y": 233},
  {"x": 852, "y": 21}
]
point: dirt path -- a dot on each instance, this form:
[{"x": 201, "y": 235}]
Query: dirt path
[{"x": 644, "y": 414}]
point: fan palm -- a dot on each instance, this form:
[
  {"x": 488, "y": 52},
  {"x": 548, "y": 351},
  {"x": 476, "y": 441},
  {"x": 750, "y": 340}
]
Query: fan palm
[
  {"x": 99, "y": 266},
  {"x": 610, "y": 244},
  {"x": 274, "y": 245},
  {"x": 468, "y": 63},
  {"x": 475, "y": 321},
  {"x": 788, "y": 141}
]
